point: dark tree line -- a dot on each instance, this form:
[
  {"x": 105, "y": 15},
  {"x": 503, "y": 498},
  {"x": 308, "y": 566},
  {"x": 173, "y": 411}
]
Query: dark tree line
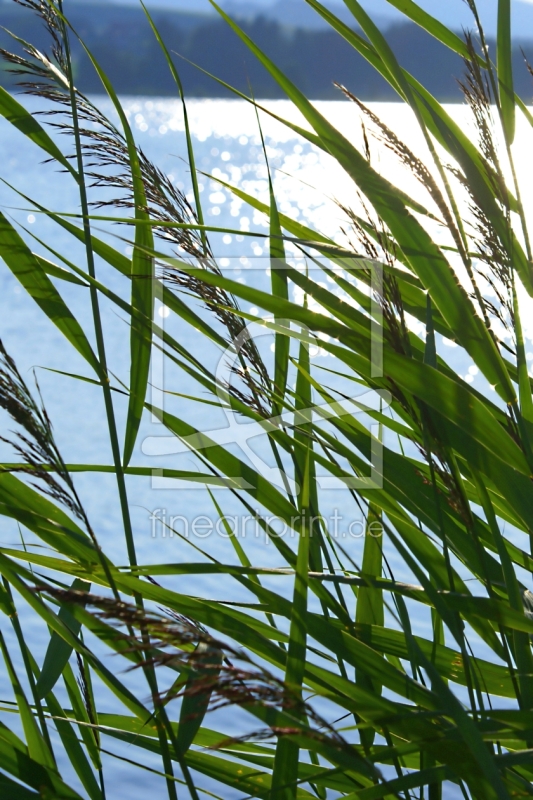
[{"x": 122, "y": 41}]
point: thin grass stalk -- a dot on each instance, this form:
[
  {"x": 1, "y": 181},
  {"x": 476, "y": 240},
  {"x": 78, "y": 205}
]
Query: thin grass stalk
[
  {"x": 97, "y": 320},
  {"x": 130, "y": 544}
]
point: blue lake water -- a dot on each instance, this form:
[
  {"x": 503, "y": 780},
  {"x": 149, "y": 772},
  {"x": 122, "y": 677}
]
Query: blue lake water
[{"x": 228, "y": 147}]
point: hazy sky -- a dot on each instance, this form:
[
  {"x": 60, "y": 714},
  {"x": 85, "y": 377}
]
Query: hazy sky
[{"x": 452, "y": 12}]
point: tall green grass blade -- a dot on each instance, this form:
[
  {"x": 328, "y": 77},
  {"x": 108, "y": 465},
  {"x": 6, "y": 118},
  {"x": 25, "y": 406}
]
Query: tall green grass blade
[
  {"x": 91, "y": 269},
  {"x": 142, "y": 279},
  {"x": 369, "y": 609},
  {"x": 432, "y": 25},
  {"x": 197, "y": 694},
  {"x": 190, "y": 147},
  {"x": 505, "y": 69},
  {"x": 59, "y": 652},
  {"x": 279, "y": 281},
  {"x": 37, "y": 747},
  {"x": 381, "y": 46},
  {"x": 27, "y": 269},
  {"x": 26, "y": 123},
  {"x": 80, "y": 713},
  {"x": 58, "y": 272},
  {"x": 73, "y": 749},
  {"x": 285, "y": 772}
]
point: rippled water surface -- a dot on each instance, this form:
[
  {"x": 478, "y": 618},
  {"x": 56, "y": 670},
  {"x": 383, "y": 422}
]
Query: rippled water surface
[{"x": 309, "y": 187}]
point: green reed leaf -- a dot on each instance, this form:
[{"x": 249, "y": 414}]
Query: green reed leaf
[
  {"x": 142, "y": 278},
  {"x": 59, "y": 651},
  {"x": 37, "y": 747},
  {"x": 26, "y": 123},
  {"x": 29, "y": 271},
  {"x": 505, "y": 69}
]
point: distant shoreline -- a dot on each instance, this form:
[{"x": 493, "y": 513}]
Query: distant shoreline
[{"x": 124, "y": 45}]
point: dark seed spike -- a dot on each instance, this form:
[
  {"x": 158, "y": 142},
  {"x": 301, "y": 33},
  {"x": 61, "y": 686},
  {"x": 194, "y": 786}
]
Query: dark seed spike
[{"x": 232, "y": 685}]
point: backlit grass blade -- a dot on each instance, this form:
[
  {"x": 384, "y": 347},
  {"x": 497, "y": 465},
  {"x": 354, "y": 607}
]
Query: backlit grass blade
[
  {"x": 446, "y": 134},
  {"x": 505, "y": 69},
  {"x": 58, "y": 272},
  {"x": 381, "y": 46},
  {"x": 369, "y": 610},
  {"x": 26, "y": 123},
  {"x": 280, "y": 288},
  {"x": 369, "y": 607},
  {"x": 27, "y": 269},
  {"x": 432, "y": 25}
]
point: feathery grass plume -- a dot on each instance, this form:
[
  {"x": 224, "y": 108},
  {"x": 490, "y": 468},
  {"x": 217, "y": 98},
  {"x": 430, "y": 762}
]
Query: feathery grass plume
[
  {"x": 405, "y": 155},
  {"x": 419, "y": 170},
  {"x": 37, "y": 446},
  {"x": 379, "y": 248},
  {"x": 105, "y": 148},
  {"x": 477, "y": 91},
  {"x": 41, "y": 67},
  {"x": 493, "y": 264},
  {"x": 178, "y": 641}
]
